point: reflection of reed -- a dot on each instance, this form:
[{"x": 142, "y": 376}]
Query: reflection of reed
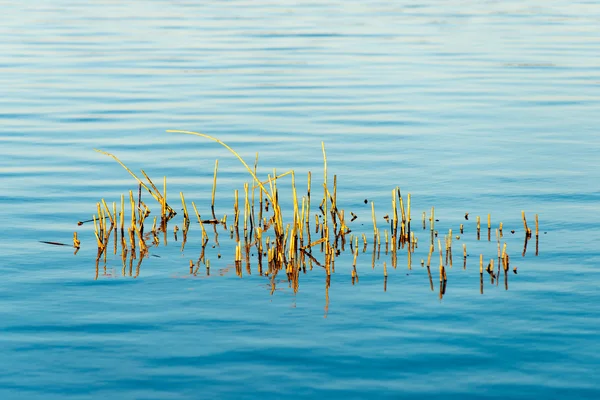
[
  {"x": 284, "y": 244},
  {"x": 537, "y": 235},
  {"x": 443, "y": 277},
  {"x": 481, "y": 283},
  {"x": 431, "y": 249},
  {"x": 384, "y": 277},
  {"x": 442, "y": 289}
]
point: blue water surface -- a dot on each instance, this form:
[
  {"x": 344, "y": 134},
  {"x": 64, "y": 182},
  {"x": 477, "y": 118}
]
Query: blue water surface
[{"x": 471, "y": 106}]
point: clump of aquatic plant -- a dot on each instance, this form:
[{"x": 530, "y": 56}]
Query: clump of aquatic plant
[{"x": 284, "y": 243}]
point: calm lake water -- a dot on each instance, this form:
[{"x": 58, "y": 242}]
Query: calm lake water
[{"x": 471, "y": 106}]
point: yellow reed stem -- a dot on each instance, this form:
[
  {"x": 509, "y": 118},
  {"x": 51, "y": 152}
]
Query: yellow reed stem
[
  {"x": 498, "y": 242},
  {"x": 324, "y": 164},
  {"x": 316, "y": 242},
  {"x": 142, "y": 243},
  {"x": 132, "y": 203},
  {"x": 325, "y": 217},
  {"x": 185, "y": 211},
  {"x": 96, "y": 228},
  {"x": 164, "y": 202},
  {"x": 246, "y": 207},
  {"x": 302, "y": 219},
  {"x": 204, "y": 235},
  {"x": 431, "y": 250},
  {"x": 101, "y": 219},
  {"x": 334, "y": 201},
  {"x": 156, "y": 192},
  {"x": 481, "y": 263},
  {"x": 236, "y": 209},
  {"x": 214, "y": 189},
  {"x": 394, "y": 213},
  {"x": 130, "y": 172},
  {"x": 99, "y": 241},
  {"x": 76, "y": 242},
  {"x": 277, "y": 217},
  {"x": 122, "y": 213},
  {"x": 408, "y": 208},
  {"x": 401, "y": 205},
  {"x": 373, "y": 216},
  {"x": 308, "y": 193},
  {"x": 295, "y": 197},
  {"x": 432, "y": 219},
  {"x": 527, "y": 230},
  {"x": 291, "y": 241},
  {"x": 110, "y": 217},
  {"x": 269, "y": 179}
]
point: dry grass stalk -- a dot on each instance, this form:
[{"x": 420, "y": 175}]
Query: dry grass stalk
[
  {"x": 394, "y": 227},
  {"x": 408, "y": 219},
  {"x": 432, "y": 219},
  {"x": 373, "y": 216},
  {"x": 481, "y": 263},
  {"x": 204, "y": 234},
  {"x": 153, "y": 192},
  {"x": 527, "y": 229},
  {"x": 442, "y": 269},
  {"x": 246, "y": 211},
  {"x": 214, "y": 189},
  {"x": 431, "y": 249}
]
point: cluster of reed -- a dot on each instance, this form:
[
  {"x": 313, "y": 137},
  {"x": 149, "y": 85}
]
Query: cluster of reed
[
  {"x": 287, "y": 244},
  {"x": 132, "y": 237}
]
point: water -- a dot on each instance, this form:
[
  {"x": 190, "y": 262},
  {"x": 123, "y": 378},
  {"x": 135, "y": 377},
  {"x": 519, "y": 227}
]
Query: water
[{"x": 470, "y": 106}]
